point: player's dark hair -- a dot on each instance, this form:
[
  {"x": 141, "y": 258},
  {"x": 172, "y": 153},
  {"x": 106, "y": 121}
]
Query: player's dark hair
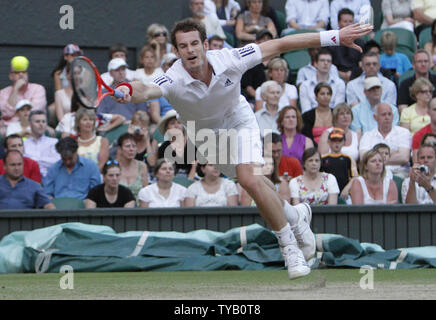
[{"x": 188, "y": 25}]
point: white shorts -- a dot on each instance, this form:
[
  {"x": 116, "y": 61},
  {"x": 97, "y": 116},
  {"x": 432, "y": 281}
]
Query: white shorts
[{"x": 239, "y": 142}]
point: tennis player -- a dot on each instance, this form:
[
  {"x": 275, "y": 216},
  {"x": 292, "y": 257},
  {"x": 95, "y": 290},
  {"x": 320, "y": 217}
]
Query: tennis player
[{"x": 204, "y": 88}]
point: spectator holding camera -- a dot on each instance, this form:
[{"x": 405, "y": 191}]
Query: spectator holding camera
[{"x": 419, "y": 187}]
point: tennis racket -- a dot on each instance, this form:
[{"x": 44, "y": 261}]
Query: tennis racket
[{"x": 87, "y": 83}]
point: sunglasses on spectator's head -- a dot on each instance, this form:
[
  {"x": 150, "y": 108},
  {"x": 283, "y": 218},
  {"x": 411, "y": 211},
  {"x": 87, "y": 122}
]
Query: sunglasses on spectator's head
[
  {"x": 157, "y": 34},
  {"x": 115, "y": 162}
]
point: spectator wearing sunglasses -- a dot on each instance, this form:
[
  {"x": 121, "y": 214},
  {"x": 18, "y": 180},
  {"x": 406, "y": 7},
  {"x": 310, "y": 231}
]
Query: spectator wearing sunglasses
[
  {"x": 110, "y": 194},
  {"x": 157, "y": 38}
]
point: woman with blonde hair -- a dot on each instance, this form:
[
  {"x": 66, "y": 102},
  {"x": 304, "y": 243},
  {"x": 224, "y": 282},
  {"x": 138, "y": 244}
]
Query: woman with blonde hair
[
  {"x": 91, "y": 146},
  {"x": 373, "y": 186},
  {"x": 148, "y": 62},
  {"x": 415, "y": 117},
  {"x": 290, "y": 124},
  {"x": 278, "y": 71},
  {"x": 158, "y": 39},
  {"x": 342, "y": 118}
]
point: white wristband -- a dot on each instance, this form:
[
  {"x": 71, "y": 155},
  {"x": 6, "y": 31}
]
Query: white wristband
[{"x": 329, "y": 38}]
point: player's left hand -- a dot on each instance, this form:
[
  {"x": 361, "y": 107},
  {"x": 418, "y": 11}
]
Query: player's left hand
[{"x": 348, "y": 34}]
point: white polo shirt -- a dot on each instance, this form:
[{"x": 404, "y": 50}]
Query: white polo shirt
[
  {"x": 399, "y": 137},
  {"x": 211, "y": 106},
  {"x": 219, "y": 105}
]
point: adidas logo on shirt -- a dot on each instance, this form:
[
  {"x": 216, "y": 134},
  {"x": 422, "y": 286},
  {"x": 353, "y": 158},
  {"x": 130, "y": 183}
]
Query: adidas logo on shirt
[{"x": 228, "y": 83}]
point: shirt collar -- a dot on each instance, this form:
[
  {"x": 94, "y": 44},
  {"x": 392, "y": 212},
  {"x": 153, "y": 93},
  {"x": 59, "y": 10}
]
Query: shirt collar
[
  {"x": 4, "y": 178},
  {"x": 217, "y": 67}
]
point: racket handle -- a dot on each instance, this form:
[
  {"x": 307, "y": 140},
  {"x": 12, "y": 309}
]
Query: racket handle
[{"x": 118, "y": 94}]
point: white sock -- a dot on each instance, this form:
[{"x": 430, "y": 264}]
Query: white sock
[
  {"x": 285, "y": 236},
  {"x": 291, "y": 214}
]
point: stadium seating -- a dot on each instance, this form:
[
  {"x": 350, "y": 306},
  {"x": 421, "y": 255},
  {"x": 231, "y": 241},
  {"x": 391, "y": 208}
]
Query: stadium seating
[
  {"x": 230, "y": 39},
  {"x": 281, "y": 16},
  {"x": 68, "y": 203},
  {"x": 424, "y": 37},
  {"x": 410, "y": 73},
  {"x": 183, "y": 181},
  {"x": 287, "y": 33},
  {"x": 113, "y": 134},
  {"x": 399, "y": 182},
  {"x": 406, "y": 40},
  {"x": 296, "y": 60}
]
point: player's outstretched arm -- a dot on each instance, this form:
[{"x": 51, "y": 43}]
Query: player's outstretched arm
[
  {"x": 140, "y": 92},
  {"x": 344, "y": 36}
]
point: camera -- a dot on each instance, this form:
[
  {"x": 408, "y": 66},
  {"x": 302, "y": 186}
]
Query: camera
[
  {"x": 423, "y": 169},
  {"x": 137, "y": 129}
]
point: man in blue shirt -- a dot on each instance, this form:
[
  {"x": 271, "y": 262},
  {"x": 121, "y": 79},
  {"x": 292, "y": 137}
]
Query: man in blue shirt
[
  {"x": 363, "y": 113},
  {"x": 17, "y": 191},
  {"x": 72, "y": 176}
]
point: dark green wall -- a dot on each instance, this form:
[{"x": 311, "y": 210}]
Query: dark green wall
[{"x": 31, "y": 28}]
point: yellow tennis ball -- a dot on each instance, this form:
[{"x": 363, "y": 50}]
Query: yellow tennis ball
[{"x": 19, "y": 63}]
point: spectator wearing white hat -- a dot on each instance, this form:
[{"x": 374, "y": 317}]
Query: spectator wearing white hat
[
  {"x": 117, "y": 51},
  {"x": 117, "y": 69},
  {"x": 371, "y": 68},
  {"x": 22, "y": 126},
  {"x": 363, "y": 113}
]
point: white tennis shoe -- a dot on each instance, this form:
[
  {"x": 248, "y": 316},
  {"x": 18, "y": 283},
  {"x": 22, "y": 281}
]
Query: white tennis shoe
[
  {"x": 294, "y": 260},
  {"x": 302, "y": 232}
]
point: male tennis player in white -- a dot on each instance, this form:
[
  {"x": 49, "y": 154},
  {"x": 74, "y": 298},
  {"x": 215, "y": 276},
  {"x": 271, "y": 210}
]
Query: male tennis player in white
[{"x": 204, "y": 86}]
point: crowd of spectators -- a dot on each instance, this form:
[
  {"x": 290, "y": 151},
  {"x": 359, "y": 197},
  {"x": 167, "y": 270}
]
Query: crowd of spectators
[{"x": 349, "y": 127}]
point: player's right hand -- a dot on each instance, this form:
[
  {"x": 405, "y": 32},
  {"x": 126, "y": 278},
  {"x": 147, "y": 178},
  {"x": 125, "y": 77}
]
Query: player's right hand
[{"x": 127, "y": 97}]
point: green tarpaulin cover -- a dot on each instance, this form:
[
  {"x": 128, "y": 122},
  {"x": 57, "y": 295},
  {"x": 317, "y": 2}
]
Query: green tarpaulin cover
[{"x": 93, "y": 248}]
